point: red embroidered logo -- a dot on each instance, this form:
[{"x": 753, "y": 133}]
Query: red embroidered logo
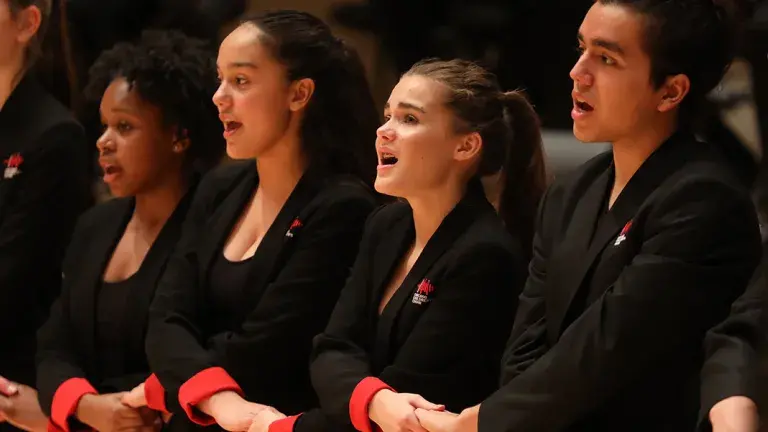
[
  {"x": 12, "y": 165},
  {"x": 296, "y": 224},
  {"x": 623, "y": 234},
  {"x": 423, "y": 292}
]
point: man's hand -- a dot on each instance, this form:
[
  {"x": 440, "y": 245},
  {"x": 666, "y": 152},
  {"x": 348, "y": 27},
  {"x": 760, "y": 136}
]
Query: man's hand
[{"x": 734, "y": 414}]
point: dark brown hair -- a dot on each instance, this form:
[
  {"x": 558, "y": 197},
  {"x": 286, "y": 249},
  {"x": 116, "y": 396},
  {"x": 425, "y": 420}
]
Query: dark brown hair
[
  {"x": 339, "y": 126},
  {"x": 509, "y": 128},
  {"x": 692, "y": 37}
]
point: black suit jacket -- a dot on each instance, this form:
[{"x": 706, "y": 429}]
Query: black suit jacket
[
  {"x": 43, "y": 189},
  {"x": 442, "y": 333},
  {"x": 295, "y": 277},
  {"x": 611, "y": 322},
  {"x": 732, "y": 348},
  {"x": 68, "y": 355}
]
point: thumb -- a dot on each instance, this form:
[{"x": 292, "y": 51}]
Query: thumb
[
  {"x": 7, "y": 387},
  {"x": 417, "y": 401},
  {"x": 5, "y": 406}
]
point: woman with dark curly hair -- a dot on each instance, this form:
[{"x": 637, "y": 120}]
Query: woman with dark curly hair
[
  {"x": 272, "y": 236},
  {"x": 160, "y": 133}
]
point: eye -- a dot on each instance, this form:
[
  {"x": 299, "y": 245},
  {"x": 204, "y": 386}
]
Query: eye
[
  {"x": 607, "y": 60},
  {"x": 241, "y": 80},
  {"x": 387, "y": 117},
  {"x": 124, "y": 127},
  {"x": 410, "y": 119},
  {"x": 580, "y": 49}
]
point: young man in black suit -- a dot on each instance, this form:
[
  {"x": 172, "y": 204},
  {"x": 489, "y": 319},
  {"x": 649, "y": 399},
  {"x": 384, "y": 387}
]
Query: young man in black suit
[{"x": 637, "y": 253}]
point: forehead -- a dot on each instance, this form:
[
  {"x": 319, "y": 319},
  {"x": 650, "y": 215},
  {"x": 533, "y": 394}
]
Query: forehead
[
  {"x": 614, "y": 23},
  {"x": 242, "y": 46},
  {"x": 419, "y": 90},
  {"x": 120, "y": 96}
]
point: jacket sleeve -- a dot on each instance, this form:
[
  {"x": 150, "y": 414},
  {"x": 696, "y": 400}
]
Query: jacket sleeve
[
  {"x": 732, "y": 350},
  {"x": 61, "y": 380},
  {"x": 51, "y": 194},
  {"x": 340, "y": 359},
  {"x": 471, "y": 313},
  {"x": 528, "y": 339},
  {"x": 703, "y": 234},
  {"x": 293, "y": 308},
  {"x": 175, "y": 342}
]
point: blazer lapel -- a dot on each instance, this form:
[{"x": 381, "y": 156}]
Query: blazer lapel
[
  {"x": 570, "y": 278},
  {"x": 453, "y": 226},
  {"x": 286, "y": 226},
  {"x": 225, "y": 218},
  {"x": 89, "y": 280}
]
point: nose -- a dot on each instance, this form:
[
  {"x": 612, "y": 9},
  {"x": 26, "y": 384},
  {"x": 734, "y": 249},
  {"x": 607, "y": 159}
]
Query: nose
[
  {"x": 221, "y": 98},
  {"x": 105, "y": 142},
  {"x": 581, "y": 75},
  {"x": 385, "y": 133}
]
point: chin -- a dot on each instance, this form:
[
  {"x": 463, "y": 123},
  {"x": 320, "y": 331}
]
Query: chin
[
  {"x": 386, "y": 187},
  {"x": 586, "y": 136}
]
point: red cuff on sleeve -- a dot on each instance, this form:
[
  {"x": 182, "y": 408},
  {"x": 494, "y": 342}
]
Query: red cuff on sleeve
[
  {"x": 361, "y": 398},
  {"x": 284, "y": 425},
  {"x": 154, "y": 393},
  {"x": 65, "y": 401},
  {"x": 202, "y": 386}
]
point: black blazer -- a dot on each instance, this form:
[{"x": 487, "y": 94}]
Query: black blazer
[
  {"x": 294, "y": 279},
  {"x": 611, "y": 323},
  {"x": 69, "y": 361},
  {"x": 444, "y": 330},
  {"x": 43, "y": 189},
  {"x": 733, "y": 346}
]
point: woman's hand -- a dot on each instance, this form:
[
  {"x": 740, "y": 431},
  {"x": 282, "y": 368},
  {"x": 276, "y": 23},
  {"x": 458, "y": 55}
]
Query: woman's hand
[
  {"x": 264, "y": 420},
  {"x": 230, "y": 411},
  {"x": 396, "y": 412},
  {"x": 20, "y": 408},
  {"x": 434, "y": 421},
  {"x": 135, "y": 398},
  {"x": 107, "y": 413}
]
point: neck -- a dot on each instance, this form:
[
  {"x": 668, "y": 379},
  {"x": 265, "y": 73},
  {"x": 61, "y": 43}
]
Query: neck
[
  {"x": 154, "y": 207},
  {"x": 10, "y": 75},
  {"x": 430, "y": 209},
  {"x": 631, "y": 152},
  {"x": 281, "y": 169}
]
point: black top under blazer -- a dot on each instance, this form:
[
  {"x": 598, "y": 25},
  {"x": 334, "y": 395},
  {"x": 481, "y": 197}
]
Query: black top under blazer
[
  {"x": 611, "y": 322},
  {"x": 71, "y": 362},
  {"x": 442, "y": 333},
  {"x": 293, "y": 282},
  {"x": 43, "y": 189}
]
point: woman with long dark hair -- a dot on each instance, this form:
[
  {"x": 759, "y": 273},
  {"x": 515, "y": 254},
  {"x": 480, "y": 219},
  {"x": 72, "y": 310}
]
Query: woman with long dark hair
[
  {"x": 272, "y": 236},
  {"x": 43, "y": 188}
]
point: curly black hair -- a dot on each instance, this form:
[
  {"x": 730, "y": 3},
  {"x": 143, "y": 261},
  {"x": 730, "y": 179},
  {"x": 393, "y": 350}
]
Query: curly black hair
[{"x": 175, "y": 73}]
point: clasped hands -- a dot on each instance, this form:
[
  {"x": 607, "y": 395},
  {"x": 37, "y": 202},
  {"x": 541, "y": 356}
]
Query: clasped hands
[{"x": 405, "y": 412}]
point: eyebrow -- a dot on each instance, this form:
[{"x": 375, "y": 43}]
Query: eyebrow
[
  {"x": 407, "y": 105},
  {"x": 248, "y": 65},
  {"x": 604, "y": 43}
]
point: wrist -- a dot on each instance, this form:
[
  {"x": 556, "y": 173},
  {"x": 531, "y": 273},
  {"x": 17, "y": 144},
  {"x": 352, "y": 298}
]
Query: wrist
[
  {"x": 218, "y": 401},
  {"x": 376, "y": 402},
  {"x": 84, "y": 407}
]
